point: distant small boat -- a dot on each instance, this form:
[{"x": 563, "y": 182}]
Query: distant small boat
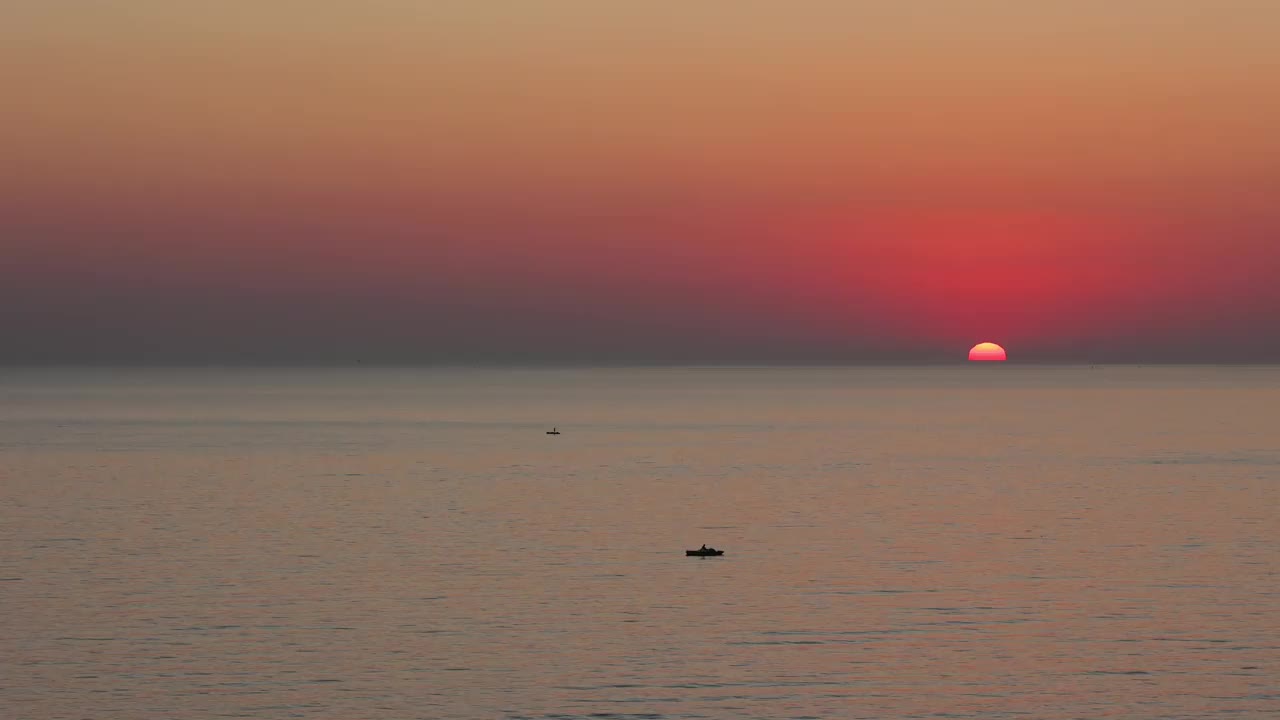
[
  {"x": 703, "y": 552},
  {"x": 553, "y": 431}
]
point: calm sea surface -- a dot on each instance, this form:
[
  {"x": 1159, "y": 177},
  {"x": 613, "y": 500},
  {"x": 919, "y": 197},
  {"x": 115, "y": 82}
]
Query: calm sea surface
[{"x": 959, "y": 542}]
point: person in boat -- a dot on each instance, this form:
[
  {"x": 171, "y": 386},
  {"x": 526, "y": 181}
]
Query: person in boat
[{"x": 704, "y": 547}]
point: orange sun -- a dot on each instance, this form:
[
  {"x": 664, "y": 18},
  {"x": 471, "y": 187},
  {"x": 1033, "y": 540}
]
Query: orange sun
[{"x": 987, "y": 352}]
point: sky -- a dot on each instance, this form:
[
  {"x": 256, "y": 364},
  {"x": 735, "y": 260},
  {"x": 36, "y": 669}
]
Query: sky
[{"x": 581, "y": 182}]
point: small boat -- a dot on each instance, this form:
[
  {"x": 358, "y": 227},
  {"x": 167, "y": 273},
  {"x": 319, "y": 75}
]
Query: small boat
[
  {"x": 553, "y": 431},
  {"x": 703, "y": 552}
]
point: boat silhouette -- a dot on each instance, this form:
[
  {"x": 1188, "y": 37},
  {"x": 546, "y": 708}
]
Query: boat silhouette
[{"x": 704, "y": 551}]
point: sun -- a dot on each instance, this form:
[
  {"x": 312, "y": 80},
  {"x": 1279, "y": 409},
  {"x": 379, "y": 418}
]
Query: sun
[{"x": 987, "y": 352}]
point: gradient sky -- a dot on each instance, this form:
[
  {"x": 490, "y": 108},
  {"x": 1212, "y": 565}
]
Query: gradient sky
[{"x": 820, "y": 181}]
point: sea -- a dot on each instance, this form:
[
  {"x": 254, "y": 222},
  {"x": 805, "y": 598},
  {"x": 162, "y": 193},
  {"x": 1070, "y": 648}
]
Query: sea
[{"x": 968, "y": 541}]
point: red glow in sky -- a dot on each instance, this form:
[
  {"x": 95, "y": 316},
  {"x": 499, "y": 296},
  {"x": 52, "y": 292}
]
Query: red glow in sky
[{"x": 650, "y": 182}]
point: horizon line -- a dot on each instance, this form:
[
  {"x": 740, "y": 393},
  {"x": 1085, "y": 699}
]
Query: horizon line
[{"x": 617, "y": 366}]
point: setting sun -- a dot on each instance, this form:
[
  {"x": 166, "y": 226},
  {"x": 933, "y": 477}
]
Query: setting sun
[{"x": 987, "y": 352}]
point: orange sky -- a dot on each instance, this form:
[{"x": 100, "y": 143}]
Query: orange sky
[{"x": 578, "y": 181}]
